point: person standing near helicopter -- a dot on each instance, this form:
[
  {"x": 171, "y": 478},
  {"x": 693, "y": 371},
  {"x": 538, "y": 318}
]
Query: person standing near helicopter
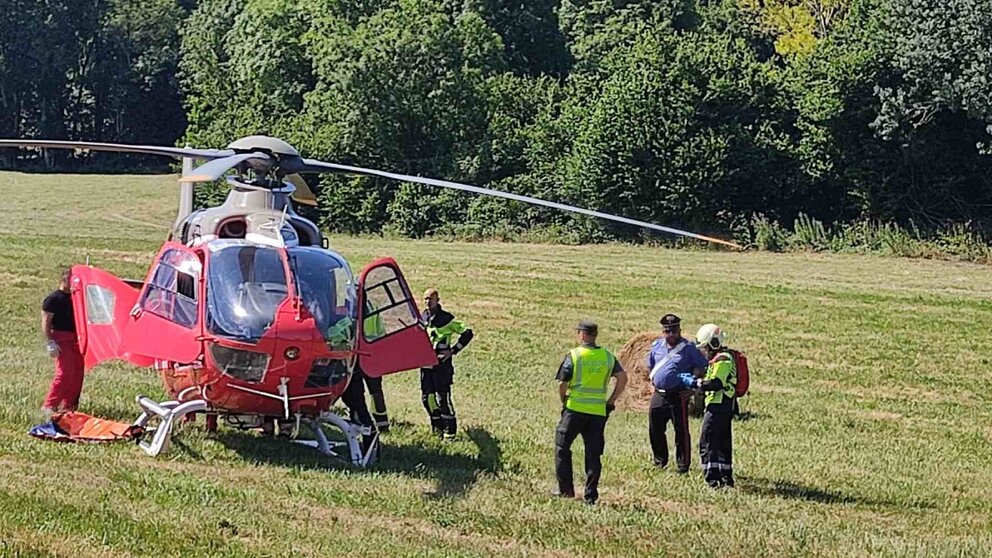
[
  {"x": 449, "y": 336},
  {"x": 58, "y": 325}
]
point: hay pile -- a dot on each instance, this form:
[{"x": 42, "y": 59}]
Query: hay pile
[{"x": 633, "y": 357}]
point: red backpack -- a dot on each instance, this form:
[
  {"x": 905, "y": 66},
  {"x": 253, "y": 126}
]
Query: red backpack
[{"x": 743, "y": 375}]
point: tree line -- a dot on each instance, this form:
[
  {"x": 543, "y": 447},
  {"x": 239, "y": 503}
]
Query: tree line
[{"x": 711, "y": 115}]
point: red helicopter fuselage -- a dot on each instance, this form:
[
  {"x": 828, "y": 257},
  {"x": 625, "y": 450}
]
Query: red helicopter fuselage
[{"x": 252, "y": 328}]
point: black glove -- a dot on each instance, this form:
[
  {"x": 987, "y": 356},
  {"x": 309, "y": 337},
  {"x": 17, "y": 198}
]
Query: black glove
[{"x": 610, "y": 407}]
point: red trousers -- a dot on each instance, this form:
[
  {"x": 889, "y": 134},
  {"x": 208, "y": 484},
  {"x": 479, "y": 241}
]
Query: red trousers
[{"x": 67, "y": 384}]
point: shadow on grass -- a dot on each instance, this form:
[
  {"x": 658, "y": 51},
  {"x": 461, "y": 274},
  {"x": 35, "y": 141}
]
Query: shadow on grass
[
  {"x": 453, "y": 473},
  {"x": 794, "y": 491},
  {"x": 745, "y": 416}
]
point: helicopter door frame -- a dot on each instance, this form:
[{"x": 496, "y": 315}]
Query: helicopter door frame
[
  {"x": 166, "y": 323},
  {"x": 387, "y": 342},
  {"x": 102, "y": 304}
]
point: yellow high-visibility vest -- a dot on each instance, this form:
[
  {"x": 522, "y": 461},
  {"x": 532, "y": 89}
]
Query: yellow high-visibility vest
[{"x": 591, "y": 371}]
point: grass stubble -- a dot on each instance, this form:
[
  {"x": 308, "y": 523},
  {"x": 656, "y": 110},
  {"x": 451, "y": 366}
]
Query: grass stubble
[{"x": 869, "y": 429}]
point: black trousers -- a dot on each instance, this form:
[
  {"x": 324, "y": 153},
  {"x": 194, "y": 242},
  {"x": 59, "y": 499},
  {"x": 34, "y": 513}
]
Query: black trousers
[
  {"x": 435, "y": 393},
  {"x": 354, "y": 398},
  {"x": 374, "y": 386},
  {"x": 592, "y": 428},
  {"x": 672, "y": 407},
  {"x": 716, "y": 448}
]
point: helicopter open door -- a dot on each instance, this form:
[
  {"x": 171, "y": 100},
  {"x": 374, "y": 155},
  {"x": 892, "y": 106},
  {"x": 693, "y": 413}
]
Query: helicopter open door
[
  {"x": 166, "y": 319},
  {"x": 102, "y": 304},
  {"x": 391, "y": 336}
]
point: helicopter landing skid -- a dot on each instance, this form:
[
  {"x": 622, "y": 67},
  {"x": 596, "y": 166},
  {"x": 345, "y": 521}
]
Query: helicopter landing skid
[
  {"x": 351, "y": 444},
  {"x": 167, "y": 413}
]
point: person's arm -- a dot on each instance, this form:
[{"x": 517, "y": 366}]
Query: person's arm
[
  {"x": 46, "y": 324},
  {"x": 465, "y": 335},
  {"x": 564, "y": 376},
  {"x": 713, "y": 384},
  {"x": 719, "y": 377},
  {"x": 698, "y": 362},
  {"x": 618, "y": 387},
  {"x": 46, "y": 329}
]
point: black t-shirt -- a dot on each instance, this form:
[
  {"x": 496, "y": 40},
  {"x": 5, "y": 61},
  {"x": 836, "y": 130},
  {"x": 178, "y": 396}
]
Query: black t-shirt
[{"x": 59, "y": 304}]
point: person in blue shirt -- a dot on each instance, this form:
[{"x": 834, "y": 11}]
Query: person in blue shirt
[{"x": 674, "y": 363}]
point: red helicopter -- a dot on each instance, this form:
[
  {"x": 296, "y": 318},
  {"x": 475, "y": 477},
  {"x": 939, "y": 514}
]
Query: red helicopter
[{"x": 246, "y": 313}]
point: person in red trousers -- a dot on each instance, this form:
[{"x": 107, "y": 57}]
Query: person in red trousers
[{"x": 58, "y": 324}]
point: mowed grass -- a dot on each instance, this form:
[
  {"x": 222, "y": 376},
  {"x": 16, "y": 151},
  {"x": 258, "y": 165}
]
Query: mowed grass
[{"x": 870, "y": 429}]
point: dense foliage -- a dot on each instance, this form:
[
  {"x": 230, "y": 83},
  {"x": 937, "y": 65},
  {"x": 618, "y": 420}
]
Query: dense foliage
[{"x": 720, "y": 115}]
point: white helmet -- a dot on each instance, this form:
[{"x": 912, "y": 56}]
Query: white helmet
[{"x": 710, "y": 335}]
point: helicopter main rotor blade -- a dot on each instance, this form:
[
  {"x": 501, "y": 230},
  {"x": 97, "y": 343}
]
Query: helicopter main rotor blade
[
  {"x": 176, "y": 152},
  {"x": 303, "y": 193},
  {"x": 217, "y": 168},
  {"x": 312, "y": 165}
]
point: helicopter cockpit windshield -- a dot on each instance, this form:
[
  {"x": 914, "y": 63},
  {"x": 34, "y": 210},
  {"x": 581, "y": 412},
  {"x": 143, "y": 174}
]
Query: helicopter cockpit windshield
[
  {"x": 246, "y": 283},
  {"x": 325, "y": 286}
]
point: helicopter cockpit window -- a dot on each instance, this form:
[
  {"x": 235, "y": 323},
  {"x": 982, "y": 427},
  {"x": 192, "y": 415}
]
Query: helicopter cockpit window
[
  {"x": 171, "y": 292},
  {"x": 246, "y": 283},
  {"x": 387, "y": 306},
  {"x": 326, "y": 288}
]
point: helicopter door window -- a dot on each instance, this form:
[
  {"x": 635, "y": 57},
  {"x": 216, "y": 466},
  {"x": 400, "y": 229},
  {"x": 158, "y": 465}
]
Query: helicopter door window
[
  {"x": 388, "y": 308},
  {"x": 99, "y": 305},
  {"x": 171, "y": 292}
]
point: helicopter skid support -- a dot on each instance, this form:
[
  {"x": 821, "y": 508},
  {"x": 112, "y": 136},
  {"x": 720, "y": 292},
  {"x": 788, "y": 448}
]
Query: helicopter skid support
[
  {"x": 167, "y": 413},
  {"x": 352, "y": 443}
]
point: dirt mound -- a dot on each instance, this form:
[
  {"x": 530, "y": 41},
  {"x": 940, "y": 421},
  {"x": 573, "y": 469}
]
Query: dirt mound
[{"x": 633, "y": 357}]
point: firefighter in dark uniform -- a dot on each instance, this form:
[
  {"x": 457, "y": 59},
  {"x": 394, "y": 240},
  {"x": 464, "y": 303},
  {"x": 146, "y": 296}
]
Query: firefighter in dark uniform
[
  {"x": 583, "y": 381},
  {"x": 720, "y": 381},
  {"x": 449, "y": 336}
]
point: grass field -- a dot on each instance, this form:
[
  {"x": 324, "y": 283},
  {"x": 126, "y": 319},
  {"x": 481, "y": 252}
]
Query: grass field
[{"x": 870, "y": 431}]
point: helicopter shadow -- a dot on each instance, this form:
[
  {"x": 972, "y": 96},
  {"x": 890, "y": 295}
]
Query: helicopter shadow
[{"x": 452, "y": 472}]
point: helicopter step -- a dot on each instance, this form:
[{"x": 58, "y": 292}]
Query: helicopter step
[{"x": 167, "y": 413}]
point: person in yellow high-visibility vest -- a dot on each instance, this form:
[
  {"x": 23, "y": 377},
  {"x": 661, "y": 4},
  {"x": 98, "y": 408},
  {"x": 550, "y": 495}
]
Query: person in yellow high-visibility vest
[
  {"x": 583, "y": 383},
  {"x": 449, "y": 336},
  {"x": 716, "y": 439}
]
